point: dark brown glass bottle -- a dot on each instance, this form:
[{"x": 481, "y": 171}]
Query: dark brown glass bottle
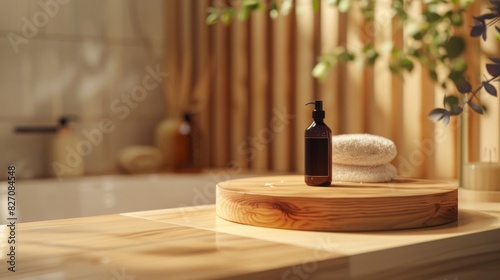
[{"x": 318, "y": 149}]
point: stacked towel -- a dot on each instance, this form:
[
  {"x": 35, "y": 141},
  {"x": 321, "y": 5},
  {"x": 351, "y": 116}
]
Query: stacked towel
[{"x": 362, "y": 158}]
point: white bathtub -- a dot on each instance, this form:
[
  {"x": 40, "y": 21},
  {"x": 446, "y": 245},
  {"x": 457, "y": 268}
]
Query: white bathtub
[{"x": 49, "y": 199}]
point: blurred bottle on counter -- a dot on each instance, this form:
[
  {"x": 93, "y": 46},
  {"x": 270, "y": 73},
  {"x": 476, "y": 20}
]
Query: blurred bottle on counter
[
  {"x": 63, "y": 153},
  {"x": 178, "y": 139}
]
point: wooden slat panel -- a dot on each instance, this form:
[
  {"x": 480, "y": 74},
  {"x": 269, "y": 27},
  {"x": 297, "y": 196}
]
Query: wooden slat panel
[
  {"x": 410, "y": 145},
  {"x": 445, "y": 140},
  {"x": 259, "y": 131},
  {"x": 353, "y": 117},
  {"x": 282, "y": 93},
  {"x": 473, "y": 67},
  {"x": 204, "y": 68},
  {"x": 279, "y": 79},
  {"x": 368, "y": 100},
  {"x": 428, "y": 128},
  {"x": 219, "y": 112},
  {"x": 397, "y": 97},
  {"x": 329, "y": 90},
  {"x": 444, "y": 136},
  {"x": 342, "y": 74},
  {"x": 381, "y": 108},
  {"x": 304, "y": 82},
  {"x": 187, "y": 56},
  {"x": 239, "y": 93},
  {"x": 409, "y": 162},
  {"x": 173, "y": 54},
  {"x": 489, "y": 125}
]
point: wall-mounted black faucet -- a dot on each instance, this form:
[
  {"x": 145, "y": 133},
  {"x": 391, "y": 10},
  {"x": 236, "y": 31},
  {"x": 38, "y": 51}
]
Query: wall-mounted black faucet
[
  {"x": 36, "y": 129},
  {"x": 62, "y": 122}
]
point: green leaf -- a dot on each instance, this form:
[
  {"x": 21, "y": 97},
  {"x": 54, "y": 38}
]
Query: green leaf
[
  {"x": 456, "y": 20},
  {"x": 274, "y": 5},
  {"x": 490, "y": 88},
  {"x": 347, "y": 56},
  {"x": 485, "y": 108},
  {"x": 405, "y": 63},
  {"x": 212, "y": 18},
  {"x": 394, "y": 69},
  {"x": 495, "y": 59},
  {"x": 251, "y": 4},
  {"x": 454, "y": 47},
  {"x": 463, "y": 86},
  {"x": 438, "y": 114},
  {"x": 227, "y": 16},
  {"x": 367, "y": 8},
  {"x": 320, "y": 70},
  {"x": 477, "y": 30},
  {"x": 493, "y": 69},
  {"x": 398, "y": 6},
  {"x": 244, "y": 14},
  {"x": 476, "y": 108},
  {"x": 446, "y": 120},
  {"x": 456, "y": 110},
  {"x": 212, "y": 10},
  {"x": 418, "y": 35},
  {"x": 415, "y": 52},
  {"x": 433, "y": 74},
  {"x": 431, "y": 17},
  {"x": 274, "y": 12},
  {"x": 370, "y": 53},
  {"x": 372, "y": 56},
  {"x": 344, "y": 5},
  {"x": 456, "y": 76},
  {"x": 451, "y": 101},
  {"x": 459, "y": 65},
  {"x": 466, "y": 3}
]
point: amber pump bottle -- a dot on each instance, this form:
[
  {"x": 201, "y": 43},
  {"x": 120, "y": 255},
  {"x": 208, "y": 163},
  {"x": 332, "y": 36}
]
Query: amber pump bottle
[{"x": 318, "y": 149}]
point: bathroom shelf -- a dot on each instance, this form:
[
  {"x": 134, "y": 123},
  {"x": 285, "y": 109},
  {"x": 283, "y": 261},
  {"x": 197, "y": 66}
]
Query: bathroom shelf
[{"x": 287, "y": 202}]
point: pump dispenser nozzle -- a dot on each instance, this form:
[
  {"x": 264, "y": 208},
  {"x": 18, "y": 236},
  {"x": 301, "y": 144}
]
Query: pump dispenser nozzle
[
  {"x": 318, "y": 112},
  {"x": 318, "y": 104}
]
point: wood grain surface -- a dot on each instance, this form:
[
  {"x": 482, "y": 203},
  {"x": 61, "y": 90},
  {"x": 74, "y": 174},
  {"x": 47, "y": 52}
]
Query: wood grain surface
[
  {"x": 192, "y": 243},
  {"x": 287, "y": 202}
]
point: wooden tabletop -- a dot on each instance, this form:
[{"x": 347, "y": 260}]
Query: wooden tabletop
[{"x": 193, "y": 243}]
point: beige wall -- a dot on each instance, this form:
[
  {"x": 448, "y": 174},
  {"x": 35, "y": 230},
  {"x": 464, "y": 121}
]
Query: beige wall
[{"x": 78, "y": 58}]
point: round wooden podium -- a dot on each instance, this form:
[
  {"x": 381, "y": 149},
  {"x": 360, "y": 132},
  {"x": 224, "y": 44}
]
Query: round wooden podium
[{"x": 287, "y": 202}]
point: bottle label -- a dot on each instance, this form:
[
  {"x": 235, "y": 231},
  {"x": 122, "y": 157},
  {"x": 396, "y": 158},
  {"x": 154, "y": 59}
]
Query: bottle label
[{"x": 316, "y": 159}]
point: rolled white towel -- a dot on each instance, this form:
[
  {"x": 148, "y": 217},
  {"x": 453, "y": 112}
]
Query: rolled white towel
[
  {"x": 362, "y": 149},
  {"x": 363, "y": 174}
]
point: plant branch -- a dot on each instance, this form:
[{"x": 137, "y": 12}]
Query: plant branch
[{"x": 473, "y": 93}]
